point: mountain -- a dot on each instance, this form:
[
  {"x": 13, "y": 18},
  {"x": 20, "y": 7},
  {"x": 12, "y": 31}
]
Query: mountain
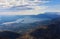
[
  {"x": 51, "y": 31},
  {"x": 23, "y": 23},
  {"x": 9, "y": 35},
  {"x": 10, "y": 18},
  {"x": 41, "y": 26}
]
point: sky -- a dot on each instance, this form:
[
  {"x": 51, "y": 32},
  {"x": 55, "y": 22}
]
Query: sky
[{"x": 28, "y": 7}]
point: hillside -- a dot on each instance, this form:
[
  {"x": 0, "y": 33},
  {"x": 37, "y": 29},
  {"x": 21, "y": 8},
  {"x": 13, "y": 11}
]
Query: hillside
[{"x": 50, "y": 31}]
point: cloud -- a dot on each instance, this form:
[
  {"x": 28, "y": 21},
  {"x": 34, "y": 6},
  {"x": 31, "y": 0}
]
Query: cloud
[
  {"x": 8, "y": 23},
  {"x": 27, "y": 20},
  {"x": 11, "y": 3},
  {"x": 22, "y": 20},
  {"x": 36, "y": 10},
  {"x": 24, "y": 7}
]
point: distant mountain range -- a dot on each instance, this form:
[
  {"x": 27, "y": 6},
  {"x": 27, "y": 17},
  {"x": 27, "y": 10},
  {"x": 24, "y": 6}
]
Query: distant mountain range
[{"x": 25, "y": 22}]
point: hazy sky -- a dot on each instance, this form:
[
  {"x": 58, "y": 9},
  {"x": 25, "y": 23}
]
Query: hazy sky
[{"x": 28, "y": 7}]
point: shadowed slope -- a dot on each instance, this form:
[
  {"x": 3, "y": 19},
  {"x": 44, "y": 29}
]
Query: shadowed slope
[
  {"x": 8, "y": 35},
  {"x": 52, "y": 32}
]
